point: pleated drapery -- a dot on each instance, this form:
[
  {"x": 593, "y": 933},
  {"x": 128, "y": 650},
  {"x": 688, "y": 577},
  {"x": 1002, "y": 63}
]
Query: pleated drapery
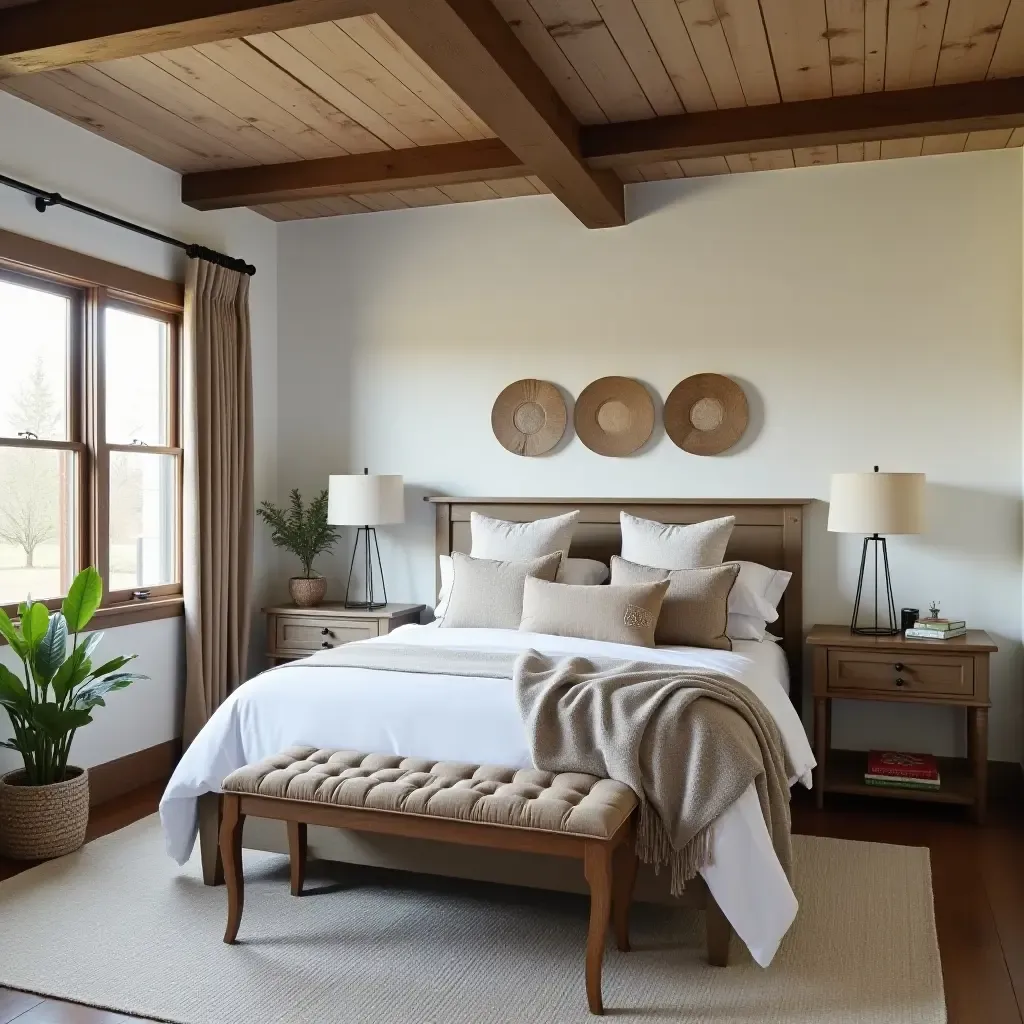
[{"x": 218, "y": 487}]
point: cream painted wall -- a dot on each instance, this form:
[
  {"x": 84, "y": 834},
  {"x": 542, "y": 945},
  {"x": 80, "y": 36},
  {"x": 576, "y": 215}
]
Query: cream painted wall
[
  {"x": 872, "y": 312},
  {"x": 43, "y": 149}
]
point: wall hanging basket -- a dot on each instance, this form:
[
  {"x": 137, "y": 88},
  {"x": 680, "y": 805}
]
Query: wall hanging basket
[
  {"x": 614, "y": 416},
  {"x": 529, "y": 417},
  {"x": 41, "y": 822},
  {"x": 706, "y": 414}
]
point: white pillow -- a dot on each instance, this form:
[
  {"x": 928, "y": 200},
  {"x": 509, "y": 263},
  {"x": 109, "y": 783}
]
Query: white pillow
[
  {"x": 744, "y": 627},
  {"x": 758, "y": 591},
  {"x": 663, "y": 546},
  {"x": 519, "y": 542},
  {"x": 578, "y": 571}
]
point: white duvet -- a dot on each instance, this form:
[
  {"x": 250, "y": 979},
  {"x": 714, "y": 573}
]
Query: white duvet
[{"x": 476, "y": 720}]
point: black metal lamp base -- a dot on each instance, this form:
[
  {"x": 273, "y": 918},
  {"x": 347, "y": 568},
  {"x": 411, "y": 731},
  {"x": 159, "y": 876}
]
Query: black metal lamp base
[
  {"x": 368, "y": 603},
  {"x": 889, "y": 628}
]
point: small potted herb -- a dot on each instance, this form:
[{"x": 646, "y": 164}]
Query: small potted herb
[
  {"x": 44, "y": 806},
  {"x": 304, "y": 532}
]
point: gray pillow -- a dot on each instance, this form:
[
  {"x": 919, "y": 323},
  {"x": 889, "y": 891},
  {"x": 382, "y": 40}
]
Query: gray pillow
[
  {"x": 620, "y": 615},
  {"x": 695, "y": 612},
  {"x": 665, "y": 546},
  {"x": 488, "y": 593}
]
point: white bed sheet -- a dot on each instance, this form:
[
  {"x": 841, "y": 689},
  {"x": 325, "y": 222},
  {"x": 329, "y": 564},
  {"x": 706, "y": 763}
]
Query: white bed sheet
[{"x": 476, "y": 720}]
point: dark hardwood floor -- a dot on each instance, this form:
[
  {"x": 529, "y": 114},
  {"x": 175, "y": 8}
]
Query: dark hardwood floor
[{"x": 977, "y": 874}]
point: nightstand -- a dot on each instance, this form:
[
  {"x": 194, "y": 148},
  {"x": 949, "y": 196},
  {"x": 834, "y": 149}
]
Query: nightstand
[
  {"x": 298, "y": 632},
  {"x": 953, "y": 673}
]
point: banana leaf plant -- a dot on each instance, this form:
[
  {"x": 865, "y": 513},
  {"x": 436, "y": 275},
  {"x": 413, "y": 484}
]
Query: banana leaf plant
[{"x": 60, "y": 688}]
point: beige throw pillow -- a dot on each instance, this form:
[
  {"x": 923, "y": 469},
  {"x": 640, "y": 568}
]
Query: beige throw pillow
[
  {"x": 665, "y": 546},
  {"x": 510, "y": 541},
  {"x": 488, "y": 593},
  {"x": 620, "y": 615},
  {"x": 695, "y": 612}
]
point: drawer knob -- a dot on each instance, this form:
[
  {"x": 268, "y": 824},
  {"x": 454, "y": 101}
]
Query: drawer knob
[
  {"x": 898, "y": 666},
  {"x": 325, "y": 644},
  {"x": 326, "y": 632},
  {"x": 901, "y": 682}
]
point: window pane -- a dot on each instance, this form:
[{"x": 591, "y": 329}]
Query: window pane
[
  {"x": 143, "y": 519},
  {"x": 37, "y": 523},
  {"x": 138, "y": 390},
  {"x": 34, "y": 328}
]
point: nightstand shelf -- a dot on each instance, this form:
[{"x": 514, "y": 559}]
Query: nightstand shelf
[
  {"x": 845, "y": 774},
  {"x": 953, "y": 673}
]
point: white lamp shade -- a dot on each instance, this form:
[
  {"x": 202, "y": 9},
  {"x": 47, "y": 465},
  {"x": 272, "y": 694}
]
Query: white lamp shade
[
  {"x": 883, "y": 503},
  {"x": 364, "y": 500}
]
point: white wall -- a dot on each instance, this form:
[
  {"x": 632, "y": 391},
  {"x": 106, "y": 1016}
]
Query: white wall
[
  {"x": 44, "y": 150},
  {"x": 872, "y": 312}
]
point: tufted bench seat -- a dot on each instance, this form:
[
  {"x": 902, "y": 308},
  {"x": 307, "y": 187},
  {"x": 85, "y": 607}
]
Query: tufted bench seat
[{"x": 567, "y": 814}]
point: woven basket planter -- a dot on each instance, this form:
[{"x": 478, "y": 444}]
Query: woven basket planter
[
  {"x": 307, "y": 593},
  {"x": 40, "y": 822}
]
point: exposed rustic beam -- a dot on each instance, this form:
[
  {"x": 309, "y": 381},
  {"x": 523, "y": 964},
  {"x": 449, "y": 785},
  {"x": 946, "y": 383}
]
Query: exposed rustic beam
[
  {"x": 911, "y": 113},
  {"x": 55, "y": 33},
  {"x": 470, "y": 47},
  {"x": 418, "y": 167}
]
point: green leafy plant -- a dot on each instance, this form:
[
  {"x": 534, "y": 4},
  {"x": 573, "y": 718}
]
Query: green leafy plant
[
  {"x": 303, "y": 531},
  {"x": 60, "y": 689}
]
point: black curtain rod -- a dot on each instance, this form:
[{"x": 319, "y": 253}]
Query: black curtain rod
[{"x": 44, "y": 200}]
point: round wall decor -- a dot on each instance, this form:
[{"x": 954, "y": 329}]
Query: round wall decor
[
  {"x": 529, "y": 417},
  {"x": 614, "y": 416},
  {"x": 706, "y": 414}
]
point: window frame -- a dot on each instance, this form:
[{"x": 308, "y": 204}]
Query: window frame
[{"x": 93, "y": 285}]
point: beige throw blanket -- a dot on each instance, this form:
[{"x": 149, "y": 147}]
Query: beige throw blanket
[{"x": 688, "y": 743}]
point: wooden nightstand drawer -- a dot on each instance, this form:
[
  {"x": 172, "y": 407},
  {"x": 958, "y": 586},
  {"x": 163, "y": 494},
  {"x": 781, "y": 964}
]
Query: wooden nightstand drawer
[
  {"x": 941, "y": 675},
  {"x": 314, "y": 633}
]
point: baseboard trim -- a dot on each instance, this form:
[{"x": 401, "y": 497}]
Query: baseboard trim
[{"x": 112, "y": 779}]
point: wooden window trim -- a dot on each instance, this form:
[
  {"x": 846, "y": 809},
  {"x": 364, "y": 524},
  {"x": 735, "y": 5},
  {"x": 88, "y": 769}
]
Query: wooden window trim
[{"x": 95, "y": 285}]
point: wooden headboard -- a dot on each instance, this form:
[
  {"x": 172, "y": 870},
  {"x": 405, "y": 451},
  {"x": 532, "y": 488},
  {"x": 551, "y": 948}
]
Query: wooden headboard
[{"x": 769, "y": 531}]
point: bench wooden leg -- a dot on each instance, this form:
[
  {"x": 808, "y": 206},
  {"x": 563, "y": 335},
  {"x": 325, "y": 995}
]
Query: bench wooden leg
[
  {"x": 624, "y": 868},
  {"x": 297, "y": 854},
  {"x": 209, "y": 839},
  {"x": 718, "y": 932},
  {"x": 597, "y": 867},
  {"x": 231, "y": 824}
]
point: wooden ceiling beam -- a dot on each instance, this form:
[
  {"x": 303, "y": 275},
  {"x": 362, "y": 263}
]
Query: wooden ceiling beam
[
  {"x": 869, "y": 117},
  {"x": 468, "y": 44},
  {"x": 418, "y": 167},
  {"x": 52, "y": 34}
]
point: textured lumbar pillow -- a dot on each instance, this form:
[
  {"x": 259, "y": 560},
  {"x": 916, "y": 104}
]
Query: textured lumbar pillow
[
  {"x": 489, "y": 593},
  {"x": 620, "y": 615},
  {"x": 516, "y": 542},
  {"x": 695, "y": 611},
  {"x": 664, "y": 546}
]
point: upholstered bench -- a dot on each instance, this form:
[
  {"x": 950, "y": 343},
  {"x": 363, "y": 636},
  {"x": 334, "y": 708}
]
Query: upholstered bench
[{"x": 567, "y": 814}]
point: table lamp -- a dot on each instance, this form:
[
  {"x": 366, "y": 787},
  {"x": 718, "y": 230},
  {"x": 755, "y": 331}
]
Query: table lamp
[
  {"x": 365, "y": 501},
  {"x": 875, "y": 504}
]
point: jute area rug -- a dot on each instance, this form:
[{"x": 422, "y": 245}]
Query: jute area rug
[{"x": 120, "y": 926}]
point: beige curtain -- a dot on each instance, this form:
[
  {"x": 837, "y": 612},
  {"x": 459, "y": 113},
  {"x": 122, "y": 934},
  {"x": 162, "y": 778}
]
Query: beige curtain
[{"x": 218, "y": 500}]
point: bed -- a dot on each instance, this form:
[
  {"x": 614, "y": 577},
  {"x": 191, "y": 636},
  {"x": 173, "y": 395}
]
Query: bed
[{"x": 465, "y": 719}]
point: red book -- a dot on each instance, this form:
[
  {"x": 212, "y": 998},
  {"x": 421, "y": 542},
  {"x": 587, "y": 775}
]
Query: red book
[{"x": 896, "y": 765}]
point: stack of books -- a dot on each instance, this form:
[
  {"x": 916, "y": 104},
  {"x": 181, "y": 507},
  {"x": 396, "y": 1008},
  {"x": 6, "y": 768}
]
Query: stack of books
[
  {"x": 937, "y": 629},
  {"x": 902, "y": 771}
]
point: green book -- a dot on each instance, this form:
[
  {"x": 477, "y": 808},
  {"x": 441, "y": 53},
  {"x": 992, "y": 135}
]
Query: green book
[
  {"x": 923, "y": 787},
  {"x": 940, "y": 625}
]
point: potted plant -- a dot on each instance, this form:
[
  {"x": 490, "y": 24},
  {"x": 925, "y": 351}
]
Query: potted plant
[
  {"x": 305, "y": 533},
  {"x": 44, "y": 806}
]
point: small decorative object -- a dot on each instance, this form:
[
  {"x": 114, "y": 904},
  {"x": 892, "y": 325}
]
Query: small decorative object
[
  {"x": 706, "y": 414},
  {"x": 933, "y": 609},
  {"x": 529, "y": 417},
  {"x": 44, "y": 807},
  {"x": 305, "y": 533},
  {"x": 908, "y": 616},
  {"x": 614, "y": 416},
  {"x": 366, "y": 502},
  {"x": 875, "y": 504}
]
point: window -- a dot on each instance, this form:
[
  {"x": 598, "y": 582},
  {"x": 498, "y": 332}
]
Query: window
[{"x": 90, "y": 452}]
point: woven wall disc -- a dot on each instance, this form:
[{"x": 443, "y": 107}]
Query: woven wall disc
[
  {"x": 529, "y": 417},
  {"x": 614, "y": 416},
  {"x": 706, "y": 414}
]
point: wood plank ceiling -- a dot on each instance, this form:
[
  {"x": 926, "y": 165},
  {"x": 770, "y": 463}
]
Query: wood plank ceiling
[{"x": 353, "y": 86}]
